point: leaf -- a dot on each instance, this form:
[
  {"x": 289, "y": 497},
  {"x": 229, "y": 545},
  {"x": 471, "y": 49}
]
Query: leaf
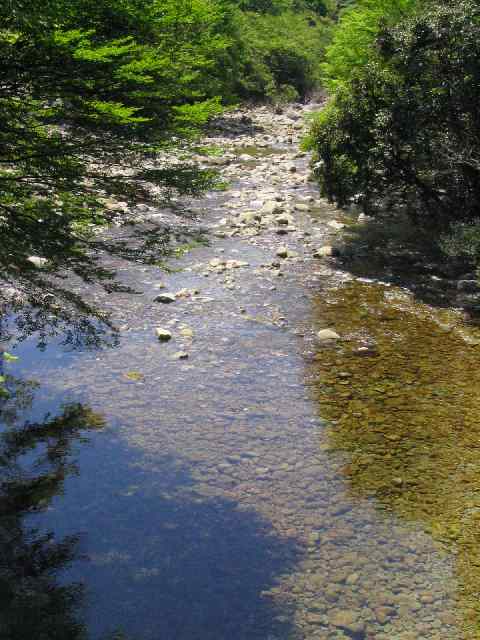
[{"x": 8, "y": 357}]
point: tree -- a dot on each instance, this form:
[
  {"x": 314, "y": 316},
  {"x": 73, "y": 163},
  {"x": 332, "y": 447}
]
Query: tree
[
  {"x": 403, "y": 135},
  {"x": 90, "y": 92}
]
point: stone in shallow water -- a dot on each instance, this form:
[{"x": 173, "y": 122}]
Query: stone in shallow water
[
  {"x": 347, "y": 619},
  {"x": 271, "y": 207},
  {"x": 37, "y": 261},
  {"x": 181, "y": 355},
  {"x": 165, "y": 298},
  {"x": 334, "y": 224},
  {"x": 163, "y": 334},
  {"x": 327, "y": 335},
  {"x": 302, "y": 207},
  {"x": 323, "y": 252}
]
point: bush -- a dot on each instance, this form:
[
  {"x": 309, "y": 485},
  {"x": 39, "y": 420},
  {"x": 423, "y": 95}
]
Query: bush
[{"x": 404, "y": 132}]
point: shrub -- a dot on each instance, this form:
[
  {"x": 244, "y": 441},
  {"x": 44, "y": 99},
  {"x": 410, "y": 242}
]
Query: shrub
[{"x": 404, "y": 132}]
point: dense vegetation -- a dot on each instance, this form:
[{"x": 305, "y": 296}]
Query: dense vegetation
[{"x": 401, "y": 133}]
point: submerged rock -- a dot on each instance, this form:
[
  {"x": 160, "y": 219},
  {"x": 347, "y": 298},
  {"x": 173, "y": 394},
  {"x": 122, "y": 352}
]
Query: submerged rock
[
  {"x": 302, "y": 207},
  {"x": 348, "y": 620},
  {"x": 327, "y": 335},
  {"x": 165, "y": 298}
]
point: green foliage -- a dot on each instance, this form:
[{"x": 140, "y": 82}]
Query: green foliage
[
  {"x": 85, "y": 85},
  {"x": 280, "y": 55},
  {"x": 320, "y": 7},
  {"x": 462, "y": 240},
  {"x": 404, "y": 134},
  {"x": 354, "y": 40}
]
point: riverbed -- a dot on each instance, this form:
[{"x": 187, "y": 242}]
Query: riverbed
[{"x": 241, "y": 477}]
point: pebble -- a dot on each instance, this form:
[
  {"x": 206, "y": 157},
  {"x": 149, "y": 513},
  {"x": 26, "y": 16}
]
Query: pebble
[
  {"x": 38, "y": 262},
  {"x": 347, "y": 619},
  {"x": 181, "y": 355},
  {"x": 165, "y": 298},
  {"x": 323, "y": 252},
  {"x": 326, "y": 335},
  {"x": 163, "y": 334}
]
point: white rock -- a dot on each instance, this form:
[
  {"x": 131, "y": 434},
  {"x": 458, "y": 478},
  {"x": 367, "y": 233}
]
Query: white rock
[
  {"x": 326, "y": 335},
  {"x": 248, "y": 217},
  {"x": 271, "y": 207},
  {"x": 323, "y": 252},
  {"x": 163, "y": 334},
  {"x": 37, "y": 261},
  {"x": 302, "y": 207},
  {"x": 236, "y": 264}
]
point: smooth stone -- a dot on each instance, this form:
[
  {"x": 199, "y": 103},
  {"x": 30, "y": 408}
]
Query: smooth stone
[
  {"x": 285, "y": 219},
  {"x": 248, "y": 217},
  {"x": 181, "y": 355},
  {"x": 163, "y": 334},
  {"x": 468, "y": 286},
  {"x": 334, "y": 224},
  {"x": 348, "y": 620},
  {"x": 282, "y": 252},
  {"x": 37, "y": 261},
  {"x": 323, "y": 252},
  {"x": 271, "y": 207},
  {"x": 165, "y": 298},
  {"x": 383, "y": 614},
  {"x": 236, "y": 264},
  {"x": 325, "y": 335}
]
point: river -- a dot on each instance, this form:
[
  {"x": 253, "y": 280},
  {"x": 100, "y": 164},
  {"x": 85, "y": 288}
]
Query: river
[{"x": 243, "y": 479}]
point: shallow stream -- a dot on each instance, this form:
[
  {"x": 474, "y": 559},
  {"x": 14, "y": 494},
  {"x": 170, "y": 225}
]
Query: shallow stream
[{"x": 244, "y": 480}]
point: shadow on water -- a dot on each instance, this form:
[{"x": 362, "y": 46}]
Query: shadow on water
[
  {"x": 35, "y": 461},
  {"x": 94, "y": 540},
  {"x": 397, "y": 251},
  {"x": 402, "y": 393}
]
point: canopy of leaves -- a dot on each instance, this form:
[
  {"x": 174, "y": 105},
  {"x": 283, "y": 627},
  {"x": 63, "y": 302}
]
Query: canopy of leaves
[{"x": 354, "y": 40}]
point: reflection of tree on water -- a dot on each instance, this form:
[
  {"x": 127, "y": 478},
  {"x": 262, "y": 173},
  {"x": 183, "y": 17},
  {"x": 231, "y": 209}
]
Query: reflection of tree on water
[
  {"x": 35, "y": 459},
  {"x": 63, "y": 298},
  {"x": 406, "y": 410}
]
